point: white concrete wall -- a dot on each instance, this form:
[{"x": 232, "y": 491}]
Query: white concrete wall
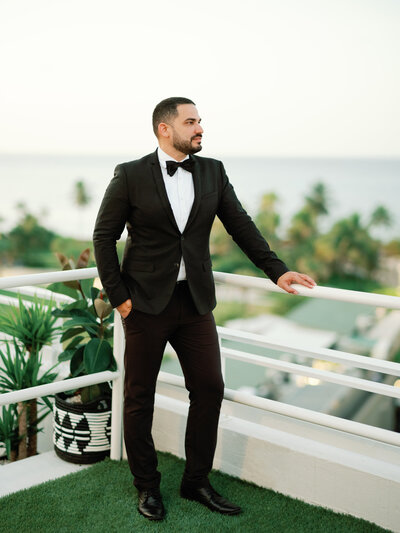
[
  {"x": 318, "y": 465},
  {"x": 377, "y": 411}
]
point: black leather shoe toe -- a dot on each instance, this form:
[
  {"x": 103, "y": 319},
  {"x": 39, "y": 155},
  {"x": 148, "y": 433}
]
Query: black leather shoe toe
[
  {"x": 151, "y": 505},
  {"x": 210, "y": 498}
]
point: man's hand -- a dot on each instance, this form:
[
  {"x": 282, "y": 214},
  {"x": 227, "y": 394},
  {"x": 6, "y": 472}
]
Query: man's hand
[
  {"x": 286, "y": 280},
  {"x": 125, "y": 308}
]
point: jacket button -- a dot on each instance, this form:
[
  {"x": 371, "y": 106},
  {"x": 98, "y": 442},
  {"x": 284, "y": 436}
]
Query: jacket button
[
  {"x": 182, "y": 238},
  {"x": 176, "y": 265}
]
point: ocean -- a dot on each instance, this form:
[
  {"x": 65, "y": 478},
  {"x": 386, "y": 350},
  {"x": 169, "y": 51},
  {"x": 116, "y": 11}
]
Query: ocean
[{"x": 45, "y": 184}]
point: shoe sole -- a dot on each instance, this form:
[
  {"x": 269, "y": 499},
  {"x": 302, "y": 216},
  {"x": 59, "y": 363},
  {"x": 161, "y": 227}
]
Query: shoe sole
[
  {"x": 153, "y": 518},
  {"x": 229, "y": 513}
]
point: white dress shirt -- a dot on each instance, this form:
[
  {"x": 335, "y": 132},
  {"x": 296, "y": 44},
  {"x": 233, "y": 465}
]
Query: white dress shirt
[{"x": 180, "y": 192}]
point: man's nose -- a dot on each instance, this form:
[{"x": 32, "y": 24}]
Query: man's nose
[{"x": 199, "y": 129}]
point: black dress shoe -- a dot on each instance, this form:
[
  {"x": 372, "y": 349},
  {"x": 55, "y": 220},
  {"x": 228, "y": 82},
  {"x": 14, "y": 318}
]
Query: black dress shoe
[
  {"x": 150, "y": 504},
  {"x": 210, "y": 498}
]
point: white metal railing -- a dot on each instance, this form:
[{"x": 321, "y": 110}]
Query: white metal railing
[
  {"x": 321, "y": 419},
  {"x": 44, "y": 294},
  {"x": 355, "y": 361},
  {"x": 224, "y": 333},
  {"x": 18, "y": 284},
  {"x": 53, "y": 388},
  {"x": 326, "y": 354},
  {"x": 327, "y": 293},
  {"x": 44, "y": 278}
]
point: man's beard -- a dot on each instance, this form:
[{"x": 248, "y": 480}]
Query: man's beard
[{"x": 185, "y": 147}]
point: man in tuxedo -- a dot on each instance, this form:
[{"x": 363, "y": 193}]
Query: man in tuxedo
[{"x": 164, "y": 291}]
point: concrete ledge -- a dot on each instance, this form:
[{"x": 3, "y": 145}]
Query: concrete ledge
[
  {"x": 34, "y": 470},
  {"x": 318, "y": 465}
]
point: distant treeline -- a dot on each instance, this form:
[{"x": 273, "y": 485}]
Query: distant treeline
[{"x": 345, "y": 250}]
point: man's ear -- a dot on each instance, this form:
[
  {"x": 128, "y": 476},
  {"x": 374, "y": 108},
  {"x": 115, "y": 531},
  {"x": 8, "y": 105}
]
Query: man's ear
[{"x": 163, "y": 130}]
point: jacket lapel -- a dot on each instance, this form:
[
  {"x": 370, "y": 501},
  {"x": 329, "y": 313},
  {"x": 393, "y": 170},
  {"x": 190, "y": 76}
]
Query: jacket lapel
[
  {"x": 159, "y": 182},
  {"x": 197, "y": 192}
]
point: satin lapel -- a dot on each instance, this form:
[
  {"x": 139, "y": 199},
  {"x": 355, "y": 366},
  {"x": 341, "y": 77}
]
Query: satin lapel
[
  {"x": 159, "y": 182},
  {"x": 197, "y": 193}
]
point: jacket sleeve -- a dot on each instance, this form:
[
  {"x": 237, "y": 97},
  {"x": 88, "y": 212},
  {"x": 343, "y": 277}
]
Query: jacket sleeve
[
  {"x": 110, "y": 224},
  {"x": 245, "y": 233}
]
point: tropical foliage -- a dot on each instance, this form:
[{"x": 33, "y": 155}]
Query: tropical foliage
[
  {"x": 345, "y": 250},
  {"x": 9, "y": 430},
  {"x": 31, "y": 326},
  {"x": 86, "y": 334},
  {"x": 87, "y": 330},
  {"x": 32, "y": 323}
]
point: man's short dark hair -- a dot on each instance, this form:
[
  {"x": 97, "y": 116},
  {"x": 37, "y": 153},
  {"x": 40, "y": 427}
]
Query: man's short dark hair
[{"x": 166, "y": 110}]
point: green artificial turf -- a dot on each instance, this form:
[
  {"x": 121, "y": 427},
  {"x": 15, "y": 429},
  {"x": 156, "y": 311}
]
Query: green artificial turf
[{"x": 101, "y": 499}]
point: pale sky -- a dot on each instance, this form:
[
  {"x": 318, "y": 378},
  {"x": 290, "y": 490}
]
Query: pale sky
[{"x": 270, "y": 78}]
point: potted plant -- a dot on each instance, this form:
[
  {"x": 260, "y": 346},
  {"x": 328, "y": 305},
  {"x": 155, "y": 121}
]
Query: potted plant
[
  {"x": 82, "y": 417},
  {"x": 31, "y": 326},
  {"x": 9, "y": 432}
]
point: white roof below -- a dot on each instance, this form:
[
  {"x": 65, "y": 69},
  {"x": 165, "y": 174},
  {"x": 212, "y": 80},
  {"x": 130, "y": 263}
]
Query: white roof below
[{"x": 282, "y": 330}]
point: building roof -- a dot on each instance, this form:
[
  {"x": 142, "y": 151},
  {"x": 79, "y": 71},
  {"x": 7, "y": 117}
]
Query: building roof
[{"x": 329, "y": 315}]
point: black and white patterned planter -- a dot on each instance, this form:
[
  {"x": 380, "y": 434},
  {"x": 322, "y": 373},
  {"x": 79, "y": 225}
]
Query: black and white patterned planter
[{"x": 82, "y": 432}]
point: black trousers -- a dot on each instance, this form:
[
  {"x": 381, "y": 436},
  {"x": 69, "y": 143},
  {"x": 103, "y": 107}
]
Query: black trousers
[{"x": 194, "y": 338}]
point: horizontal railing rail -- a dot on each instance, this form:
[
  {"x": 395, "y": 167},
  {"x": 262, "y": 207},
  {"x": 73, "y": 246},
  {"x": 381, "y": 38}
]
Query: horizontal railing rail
[
  {"x": 324, "y": 375},
  {"x": 49, "y": 389},
  {"x": 326, "y": 354},
  {"x": 249, "y": 282},
  {"x": 328, "y": 293},
  {"x": 291, "y": 411},
  {"x": 44, "y": 278}
]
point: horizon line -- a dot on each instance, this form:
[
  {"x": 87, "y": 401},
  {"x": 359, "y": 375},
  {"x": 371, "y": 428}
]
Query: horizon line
[{"x": 230, "y": 156}]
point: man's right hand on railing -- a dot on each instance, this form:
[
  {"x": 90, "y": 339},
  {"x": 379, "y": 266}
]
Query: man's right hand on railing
[
  {"x": 125, "y": 308},
  {"x": 286, "y": 280}
]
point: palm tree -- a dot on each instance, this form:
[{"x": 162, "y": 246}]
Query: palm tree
[
  {"x": 267, "y": 218},
  {"x": 81, "y": 199},
  {"x": 317, "y": 202},
  {"x": 355, "y": 250},
  {"x": 380, "y": 217},
  {"x": 304, "y": 224}
]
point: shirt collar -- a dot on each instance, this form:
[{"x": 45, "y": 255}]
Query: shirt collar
[{"x": 163, "y": 158}]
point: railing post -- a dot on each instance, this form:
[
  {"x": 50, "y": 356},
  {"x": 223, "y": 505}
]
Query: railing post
[
  {"x": 223, "y": 358},
  {"x": 117, "y": 390}
]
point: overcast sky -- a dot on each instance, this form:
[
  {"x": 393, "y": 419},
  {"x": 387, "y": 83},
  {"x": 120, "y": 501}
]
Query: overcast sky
[{"x": 270, "y": 78}]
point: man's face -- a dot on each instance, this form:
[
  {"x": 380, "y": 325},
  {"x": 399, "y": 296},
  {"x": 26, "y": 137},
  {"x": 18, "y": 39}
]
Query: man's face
[{"x": 186, "y": 130}]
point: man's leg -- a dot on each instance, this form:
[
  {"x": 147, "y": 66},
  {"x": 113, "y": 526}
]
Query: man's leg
[
  {"x": 197, "y": 346},
  {"x": 146, "y": 337}
]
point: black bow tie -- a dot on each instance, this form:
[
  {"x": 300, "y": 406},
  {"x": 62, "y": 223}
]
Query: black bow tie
[{"x": 172, "y": 166}]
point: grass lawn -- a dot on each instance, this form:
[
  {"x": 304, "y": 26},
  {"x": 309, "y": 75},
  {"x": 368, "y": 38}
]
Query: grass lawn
[{"x": 101, "y": 499}]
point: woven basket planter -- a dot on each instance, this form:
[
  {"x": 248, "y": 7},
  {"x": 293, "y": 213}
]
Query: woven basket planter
[{"x": 82, "y": 432}]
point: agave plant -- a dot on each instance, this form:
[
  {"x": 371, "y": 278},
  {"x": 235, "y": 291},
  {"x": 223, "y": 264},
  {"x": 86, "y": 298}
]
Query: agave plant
[
  {"x": 32, "y": 324},
  {"x": 9, "y": 430},
  {"x": 21, "y": 369}
]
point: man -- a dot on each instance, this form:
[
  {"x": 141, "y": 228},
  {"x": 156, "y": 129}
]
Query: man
[{"x": 164, "y": 290}]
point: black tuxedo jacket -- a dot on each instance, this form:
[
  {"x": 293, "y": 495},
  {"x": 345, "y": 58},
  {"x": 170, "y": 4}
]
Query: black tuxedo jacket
[{"x": 136, "y": 197}]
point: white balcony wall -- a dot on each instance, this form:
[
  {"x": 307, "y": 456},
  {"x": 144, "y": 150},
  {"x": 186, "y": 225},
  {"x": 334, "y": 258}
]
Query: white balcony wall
[{"x": 316, "y": 464}]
